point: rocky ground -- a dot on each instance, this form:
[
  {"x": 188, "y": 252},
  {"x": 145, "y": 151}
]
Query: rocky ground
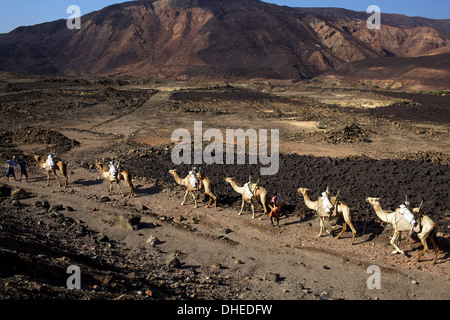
[{"x": 178, "y": 252}]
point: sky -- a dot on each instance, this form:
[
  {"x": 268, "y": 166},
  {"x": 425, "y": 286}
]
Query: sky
[{"x": 16, "y": 13}]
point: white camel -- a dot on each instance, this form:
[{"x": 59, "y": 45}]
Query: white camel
[{"x": 424, "y": 228}]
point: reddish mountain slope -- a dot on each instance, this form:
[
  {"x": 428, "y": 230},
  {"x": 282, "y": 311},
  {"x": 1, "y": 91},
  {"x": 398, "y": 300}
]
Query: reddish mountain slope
[{"x": 208, "y": 38}]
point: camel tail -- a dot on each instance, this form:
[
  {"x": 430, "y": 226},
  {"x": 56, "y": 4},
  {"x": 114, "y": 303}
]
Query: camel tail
[
  {"x": 129, "y": 180},
  {"x": 434, "y": 242},
  {"x": 62, "y": 167},
  {"x": 131, "y": 185},
  {"x": 220, "y": 198}
]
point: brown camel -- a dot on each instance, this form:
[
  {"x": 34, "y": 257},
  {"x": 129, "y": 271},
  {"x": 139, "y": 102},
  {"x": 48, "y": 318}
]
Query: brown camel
[
  {"x": 208, "y": 188},
  {"x": 204, "y": 184},
  {"x": 122, "y": 174},
  {"x": 343, "y": 211},
  {"x": 60, "y": 165},
  {"x": 258, "y": 194},
  {"x": 425, "y": 228}
]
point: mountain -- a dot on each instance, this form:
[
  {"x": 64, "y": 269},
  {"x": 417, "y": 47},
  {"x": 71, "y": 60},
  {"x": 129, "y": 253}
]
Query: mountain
[
  {"x": 400, "y": 36},
  {"x": 415, "y": 73},
  {"x": 389, "y": 19},
  {"x": 214, "y": 39}
]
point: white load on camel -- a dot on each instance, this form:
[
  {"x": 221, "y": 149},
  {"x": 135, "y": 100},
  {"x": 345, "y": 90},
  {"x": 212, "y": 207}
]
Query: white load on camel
[
  {"x": 50, "y": 160},
  {"x": 407, "y": 215},
  {"x": 193, "y": 179},
  {"x": 247, "y": 192},
  {"x": 113, "y": 168},
  {"x": 326, "y": 203}
]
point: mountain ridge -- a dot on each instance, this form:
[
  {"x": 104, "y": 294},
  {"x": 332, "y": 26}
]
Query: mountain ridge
[{"x": 214, "y": 39}]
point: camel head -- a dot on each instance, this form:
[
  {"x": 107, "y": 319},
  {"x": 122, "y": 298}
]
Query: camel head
[
  {"x": 373, "y": 201},
  {"x": 98, "y": 164},
  {"x": 37, "y": 158},
  {"x": 229, "y": 180},
  {"x": 173, "y": 171},
  {"x": 303, "y": 191}
]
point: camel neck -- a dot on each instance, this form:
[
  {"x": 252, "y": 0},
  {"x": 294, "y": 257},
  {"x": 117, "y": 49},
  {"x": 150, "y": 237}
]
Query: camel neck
[
  {"x": 100, "y": 168},
  {"x": 40, "y": 163},
  {"x": 310, "y": 204},
  {"x": 236, "y": 187},
  {"x": 383, "y": 215},
  {"x": 177, "y": 178}
]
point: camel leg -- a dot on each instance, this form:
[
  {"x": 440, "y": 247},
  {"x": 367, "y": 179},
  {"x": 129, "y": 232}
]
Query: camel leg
[
  {"x": 110, "y": 187},
  {"x": 195, "y": 199},
  {"x": 185, "y": 195},
  {"x": 209, "y": 201},
  {"x": 120, "y": 189},
  {"x": 131, "y": 192},
  {"x": 425, "y": 246},
  {"x": 253, "y": 210},
  {"x": 130, "y": 185},
  {"x": 242, "y": 207},
  {"x": 263, "y": 202},
  {"x": 66, "y": 179},
  {"x": 264, "y": 214},
  {"x": 394, "y": 239},
  {"x": 423, "y": 238},
  {"x": 344, "y": 227},
  {"x": 215, "y": 203},
  {"x": 57, "y": 179},
  {"x": 435, "y": 246},
  {"x": 48, "y": 178},
  {"x": 353, "y": 231},
  {"x": 324, "y": 226},
  {"x": 211, "y": 198},
  {"x": 321, "y": 227}
]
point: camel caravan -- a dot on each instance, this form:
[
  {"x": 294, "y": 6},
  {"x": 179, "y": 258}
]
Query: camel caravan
[
  {"x": 326, "y": 207},
  {"x": 404, "y": 219}
]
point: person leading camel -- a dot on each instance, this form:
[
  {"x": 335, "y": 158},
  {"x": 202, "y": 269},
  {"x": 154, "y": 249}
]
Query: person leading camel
[
  {"x": 10, "y": 173},
  {"x": 275, "y": 213}
]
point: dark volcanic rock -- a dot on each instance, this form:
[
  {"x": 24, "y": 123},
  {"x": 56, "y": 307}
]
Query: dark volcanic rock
[{"x": 129, "y": 221}]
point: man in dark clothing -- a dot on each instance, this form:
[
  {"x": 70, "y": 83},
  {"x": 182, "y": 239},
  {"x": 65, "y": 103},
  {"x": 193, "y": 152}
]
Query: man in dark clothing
[
  {"x": 23, "y": 169},
  {"x": 10, "y": 164}
]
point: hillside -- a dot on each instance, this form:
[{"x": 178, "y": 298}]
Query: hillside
[{"x": 214, "y": 39}]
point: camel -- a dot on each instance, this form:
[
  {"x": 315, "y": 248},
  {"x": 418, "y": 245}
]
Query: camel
[
  {"x": 259, "y": 194},
  {"x": 343, "y": 211},
  {"x": 424, "y": 229},
  {"x": 203, "y": 183},
  {"x": 60, "y": 165},
  {"x": 207, "y": 186},
  {"x": 122, "y": 174}
]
